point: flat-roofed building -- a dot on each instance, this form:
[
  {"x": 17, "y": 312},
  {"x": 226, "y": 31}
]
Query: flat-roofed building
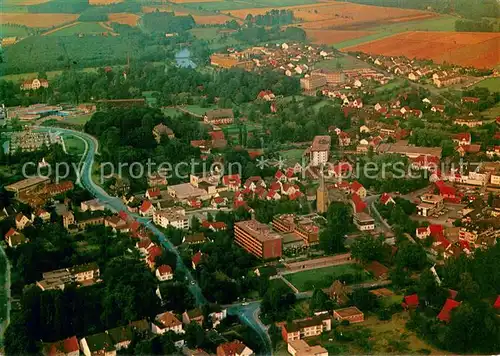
[
  {"x": 351, "y": 314},
  {"x": 175, "y": 217},
  {"x": 26, "y": 184},
  {"x": 364, "y": 222},
  {"x": 430, "y": 204},
  {"x": 301, "y": 348},
  {"x": 258, "y": 239},
  {"x": 332, "y": 77},
  {"x": 319, "y": 152},
  {"x": 313, "y": 82},
  {"x": 301, "y": 225},
  {"x": 312, "y": 326},
  {"x": 403, "y": 148}
]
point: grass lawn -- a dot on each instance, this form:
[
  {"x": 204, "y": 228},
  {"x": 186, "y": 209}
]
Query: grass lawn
[
  {"x": 292, "y": 156},
  {"x": 344, "y": 62},
  {"x": 84, "y": 27},
  {"x": 493, "y": 84},
  {"x": 77, "y": 120},
  {"x": 74, "y": 145},
  {"x": 196, "y": 109},
  {"x": 171, "y": 112},
  {"x": 278, "y": 282},
  {"x": 322, "y": 277},
  {"x": 234, "y": 129},
  {"x": 322, "y": 103},
  {"x": 389, "y": 86},
  {"x": 50, "y": 74}
]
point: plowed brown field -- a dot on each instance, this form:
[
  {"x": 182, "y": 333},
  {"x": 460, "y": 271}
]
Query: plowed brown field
[
  {"x": 342, "y": 15},
  {"x": 477, "y": 49},
  {"x": 330, "y": 37}
]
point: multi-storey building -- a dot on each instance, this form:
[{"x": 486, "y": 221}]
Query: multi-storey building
[
  {"x": 313, "y": 82},
  {"x": 313, "y": 326},
  {"x": 175, "y": 217},
  {"x": 258, "y": 239},
  {"x": 300, "y": 225},
  {"x": 319, "y": 151},
  {"x": 364, "y": 222},
  {"x": 431, "y": 203}
]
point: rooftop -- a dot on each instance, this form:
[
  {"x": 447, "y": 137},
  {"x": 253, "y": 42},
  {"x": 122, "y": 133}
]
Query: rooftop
[
  {"x": 260, "y": 231},
  {"x": 347, "y": 312},
  {"x": 321, "y": 143}
]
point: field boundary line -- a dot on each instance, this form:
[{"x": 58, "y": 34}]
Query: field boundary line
[{"x": 60, "y": 28}]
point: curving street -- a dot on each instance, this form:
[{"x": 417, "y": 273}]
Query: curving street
[{"x": 248, "y": 314}]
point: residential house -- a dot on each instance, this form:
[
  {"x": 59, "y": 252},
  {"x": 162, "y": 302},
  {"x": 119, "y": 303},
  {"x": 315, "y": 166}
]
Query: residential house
[
  {"x": 68, "y": 219},
  {"x": 164, "y": 273},
  {"x": 194, "y": 239},
  {"x": 157, "y": 179},
  {"x": 232, "y": 182},
  {"x": 22, "y": 221},
  {"x": 66, "y": 347},
  {"x": 14, "y": 238},
  {"x": 351, "y": 314},
  {"x": 195, "y": 315},
  {"x": 386, "y": 199},
  {"x": 197, "y": 259},
  {"x": 121, "y": 336},
  {"x": 234, "y": 348},
  {"x": 462, "y": 139},
  {"x": 339, "y": 292},
  {"x": 216, "y": 314},
  {"x": 165, "y": 322},
  {"x": 35, "y": 84},
  {"x": 147, "y": 208},
  {"x": 438, "y": 108},
  {"x": 357, "y": 188},
  {"x": 40, "y": 213},
  {"x": 98, "y": 344},
  {"x": 363, "y": 221},
  {"x": 266, "y": 95},
  {"x": 378, "y": 270},
  {"x": 175, "y": 217},
  {"x": 144, "y": 245},
  {"x": 410, "y": 301},
  {"x": 214, "y": 225},
  {"x": 344, "y": 139},
  {"x": 358, "y": 205},
  {"x": 153, "y": 193},
  {"x": 151, "y": 254},
  {"x": 161, "y": 130},
  {"x": 445, "y": 313}
]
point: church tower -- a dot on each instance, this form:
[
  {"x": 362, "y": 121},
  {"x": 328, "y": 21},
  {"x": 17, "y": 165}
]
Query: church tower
[{"x": 322, "y": 194}]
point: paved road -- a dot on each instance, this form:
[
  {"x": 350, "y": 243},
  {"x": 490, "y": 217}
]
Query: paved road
[{"x": 247, "y": 314}]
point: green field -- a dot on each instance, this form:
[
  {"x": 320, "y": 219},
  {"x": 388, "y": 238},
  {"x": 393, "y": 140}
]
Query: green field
[
  {"x": 493, "y": 84},
  {"x": 3, "y": 293},
  {"x": 278, "y": 283},
  {"x": 389, "y": 86},
  {"x": 171, "y": 112},
  {"x": 198, "y": 110},
  {"x": 323, "y": 277},
  {"x": 292, "y": 156},
  {"x": 344, "y": 62},
  {"x": 74, "y": 145},
  {"x": 13, "y": 31},
  {"x": 205, "y": 33},
  {"x": 87, "y": 28},
  {"x": 77, "y": 120}
]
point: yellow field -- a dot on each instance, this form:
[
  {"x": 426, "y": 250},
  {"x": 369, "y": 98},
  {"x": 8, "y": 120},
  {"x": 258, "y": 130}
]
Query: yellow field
[
  {"x": 104, "y": 2},
  {"x": 23, "y": 2},
  {"x": 37, "y": 20},
  {"x": 124, "y": 18},
  {"x": 161, "y": 8}
]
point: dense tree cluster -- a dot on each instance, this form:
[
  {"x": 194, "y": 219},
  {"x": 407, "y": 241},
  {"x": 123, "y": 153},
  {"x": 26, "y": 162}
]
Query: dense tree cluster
[
  {"x": 257, "y": 34},
  {"x": 167, "y": 22},
  {"x": 339, "y": 223},
  {"x": 272, "y": 18},
  {"x": 475, "y": 26}
]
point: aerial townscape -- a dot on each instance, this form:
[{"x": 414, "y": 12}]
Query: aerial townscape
[{"x": 261, "y": 177}]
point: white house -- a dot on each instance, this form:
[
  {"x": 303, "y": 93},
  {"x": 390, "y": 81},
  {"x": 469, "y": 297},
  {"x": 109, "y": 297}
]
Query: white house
[
  {"x": 164, "y": 273},
  {"x": 165, "y": 322}
]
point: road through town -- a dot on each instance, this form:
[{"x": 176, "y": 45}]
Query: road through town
[{"x": 247, "y": 313}]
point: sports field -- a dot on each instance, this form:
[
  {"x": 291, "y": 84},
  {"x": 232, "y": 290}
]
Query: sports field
[{"x": 323, "y": 277}]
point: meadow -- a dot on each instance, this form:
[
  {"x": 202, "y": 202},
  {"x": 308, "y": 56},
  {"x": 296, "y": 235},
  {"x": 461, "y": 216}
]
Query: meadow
[
  {"x": 493, "y": 84},
  {"x": 87, "y": 28}
]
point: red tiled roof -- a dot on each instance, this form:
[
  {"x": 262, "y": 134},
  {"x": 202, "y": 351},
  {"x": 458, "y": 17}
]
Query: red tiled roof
[
  {"x": 65, "y": 346},
  {"x": 279, "y": 174},
  {"x": 496, "y": 305},
  {"x": 198, "y": 143},
  {"x": 412, "y": 300},
  {"x": 232, "y": 348},
  {"x": 10, "y": 233},
  {"x": 445, "y": 313},
  {"x": 356, "y": 186},
  {"x": 217, "y": 225},
  {"x": 217, "y": 135},
  {"x": 445, "y": 189},
  {"x": 453, "y": 293},
  {"x": 197, "y": 258},
  {"x": 154, "y": 192},
  {"x": 164, "y": 269},
  {"x": 144, "y": 243},
  {"x": 146, "y": 205},
  {"x": 385, "y": 198},
  {"x": 359, "y": 204},
  {"x": 154, "y": 251},
  {"x": 463, "y": 136},
  {"x": 233, "y": 179}
]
